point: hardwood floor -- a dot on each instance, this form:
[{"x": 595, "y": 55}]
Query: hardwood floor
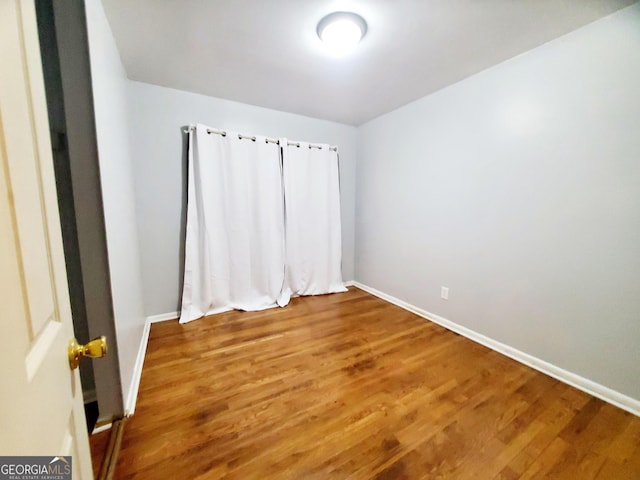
[
  {"x": 98, "y": 443},
  {"x": 349, "y": 386},
  {"x": 105, "y": 447}
]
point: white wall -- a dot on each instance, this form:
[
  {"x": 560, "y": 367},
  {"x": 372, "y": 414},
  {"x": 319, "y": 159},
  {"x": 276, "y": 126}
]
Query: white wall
[
  {"x": 110, "y": 102},
  {"x": 156, "y": 115},
  {"x": 519, "y": 189}
]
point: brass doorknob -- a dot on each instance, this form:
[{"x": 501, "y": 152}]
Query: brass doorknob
[{"x": 95, "y": 348}]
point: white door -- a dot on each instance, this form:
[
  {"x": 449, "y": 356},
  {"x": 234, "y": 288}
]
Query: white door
[{"x": 41, "y": 410}]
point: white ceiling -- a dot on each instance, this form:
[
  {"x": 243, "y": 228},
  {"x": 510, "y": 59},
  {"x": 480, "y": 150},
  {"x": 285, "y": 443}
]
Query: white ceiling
[{"x": 266, "y": 52}]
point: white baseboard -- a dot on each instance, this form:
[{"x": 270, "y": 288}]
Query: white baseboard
[
  {"x": 613, "y": 397},
  {"x": 130, "y": 405},
  {"x": 101, "y": 428},
  {"x": 350, "y": 283},
  {"x": 163, "y": 317}
]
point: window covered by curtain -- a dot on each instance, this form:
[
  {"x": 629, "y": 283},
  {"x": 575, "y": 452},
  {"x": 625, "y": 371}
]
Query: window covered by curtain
[{"x": 263, "y": 223}]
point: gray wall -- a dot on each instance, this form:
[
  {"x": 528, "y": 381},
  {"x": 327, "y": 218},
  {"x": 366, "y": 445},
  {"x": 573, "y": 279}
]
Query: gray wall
[
  {"x": 110, "y": 102},
  {"x": 519, "y": 189},
  {"x": 156, "y": 115}
]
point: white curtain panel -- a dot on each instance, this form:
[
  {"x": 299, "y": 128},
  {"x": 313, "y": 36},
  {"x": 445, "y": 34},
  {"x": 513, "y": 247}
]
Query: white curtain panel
[
  {"x": 234, "y": 252},
  {"x": 312, "y": 221}
]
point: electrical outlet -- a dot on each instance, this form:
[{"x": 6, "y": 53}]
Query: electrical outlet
[{"x": 444, "y": 293}]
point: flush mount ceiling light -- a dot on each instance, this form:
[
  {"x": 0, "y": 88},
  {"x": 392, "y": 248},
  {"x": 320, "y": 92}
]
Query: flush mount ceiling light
[{"x": 341, "y": 31}]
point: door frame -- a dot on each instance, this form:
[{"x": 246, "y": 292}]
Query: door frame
[{"x": 95, "y": 313}]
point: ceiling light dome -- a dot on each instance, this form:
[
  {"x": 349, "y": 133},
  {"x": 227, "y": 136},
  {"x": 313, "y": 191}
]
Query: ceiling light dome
[{"x": 341, "y": 31}]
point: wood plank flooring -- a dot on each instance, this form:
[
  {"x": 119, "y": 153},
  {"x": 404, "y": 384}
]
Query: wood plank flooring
[
  {"x": 98, "y": 443},
  {"x": 349, "y": 386}
]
